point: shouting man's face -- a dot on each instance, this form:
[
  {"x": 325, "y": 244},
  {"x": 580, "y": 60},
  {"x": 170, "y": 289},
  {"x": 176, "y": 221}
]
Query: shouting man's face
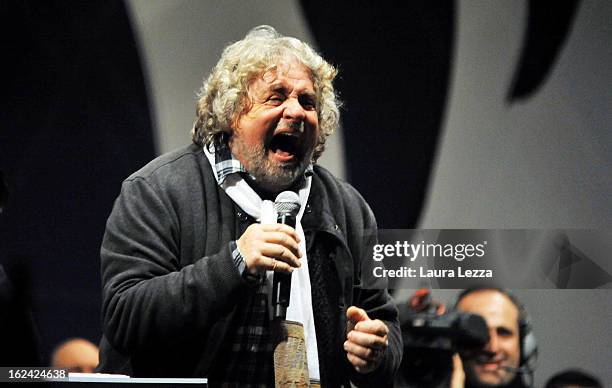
[
  {"x": 496, "y": 364},
  {"x": 275, "y": 138}
]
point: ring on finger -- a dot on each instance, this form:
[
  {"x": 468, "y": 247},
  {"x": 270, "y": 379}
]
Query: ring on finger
[{"x": 273, "y": 265}]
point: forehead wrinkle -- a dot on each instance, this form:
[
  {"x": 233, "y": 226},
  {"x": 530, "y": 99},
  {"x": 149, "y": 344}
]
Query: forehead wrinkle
[
  {"x": 285, "y": 70},
  {"x": 277, "y": 79}
]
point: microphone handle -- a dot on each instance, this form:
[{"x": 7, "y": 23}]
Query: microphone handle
[
  {"x": 287, "y": 219},
  {"x": 281, "y": 284}
]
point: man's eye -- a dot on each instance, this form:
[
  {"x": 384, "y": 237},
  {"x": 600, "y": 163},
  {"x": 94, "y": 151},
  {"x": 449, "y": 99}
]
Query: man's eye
[
  {"x": 308, "y": 104},
  {"x": 503, "y": 332},
  {"x": 275, "y": 99}
]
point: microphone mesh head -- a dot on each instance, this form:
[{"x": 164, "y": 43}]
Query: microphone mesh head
[{"x": 287, "y": 202}]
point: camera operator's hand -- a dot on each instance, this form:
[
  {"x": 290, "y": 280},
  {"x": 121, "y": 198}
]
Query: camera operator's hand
[
  {"x": 458, "y": 376},
  {"x": 366, "y": 342},
  {"x": 270, "y": 247}
]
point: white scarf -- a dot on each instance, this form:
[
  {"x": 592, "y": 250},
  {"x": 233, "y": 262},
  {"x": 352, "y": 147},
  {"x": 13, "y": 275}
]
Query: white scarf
[{"x": 300, "y": 306}]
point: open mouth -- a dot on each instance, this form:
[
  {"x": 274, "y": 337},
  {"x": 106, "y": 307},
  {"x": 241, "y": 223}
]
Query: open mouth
[{"x": 285, "y": 146}]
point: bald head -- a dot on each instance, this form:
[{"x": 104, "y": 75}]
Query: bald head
[{"x": 77, "y": 355}]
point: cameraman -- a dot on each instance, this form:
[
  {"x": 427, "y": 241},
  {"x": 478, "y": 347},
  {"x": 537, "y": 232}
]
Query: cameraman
[
  {"x": 485, "y": 340},
  {"x": 506, "y": 359}
]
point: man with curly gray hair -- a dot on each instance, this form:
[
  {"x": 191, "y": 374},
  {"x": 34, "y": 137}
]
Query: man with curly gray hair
[
  {"x": 191, "y": 246},
  {"x": 230, "y": 92}
]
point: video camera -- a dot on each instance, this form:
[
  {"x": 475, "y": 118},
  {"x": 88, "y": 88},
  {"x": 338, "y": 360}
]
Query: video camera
[{"x": 432, "y": 336}]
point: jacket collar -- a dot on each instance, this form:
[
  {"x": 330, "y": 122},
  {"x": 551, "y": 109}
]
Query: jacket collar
[{"x": 319, "y": 215}]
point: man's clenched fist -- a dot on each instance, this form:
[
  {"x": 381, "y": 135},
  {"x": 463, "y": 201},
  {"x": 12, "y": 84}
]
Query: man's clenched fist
[
  {"x": 270, "y": 247},
  {"x": 366, "y": 340}
]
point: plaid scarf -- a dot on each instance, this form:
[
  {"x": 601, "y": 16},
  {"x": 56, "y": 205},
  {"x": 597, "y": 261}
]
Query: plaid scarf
[{"x": 247, "y": 357}]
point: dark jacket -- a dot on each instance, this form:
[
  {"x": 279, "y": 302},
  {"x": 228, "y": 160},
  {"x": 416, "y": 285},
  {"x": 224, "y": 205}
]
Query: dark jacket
[{"x": 170, "y": 287}]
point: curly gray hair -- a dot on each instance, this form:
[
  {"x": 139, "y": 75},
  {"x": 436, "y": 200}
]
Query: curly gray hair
[{"x": 224, "y": 95}]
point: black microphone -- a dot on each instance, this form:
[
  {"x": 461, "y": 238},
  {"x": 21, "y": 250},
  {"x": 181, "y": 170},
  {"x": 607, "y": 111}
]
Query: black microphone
[
  {"x": 520, "y": 370},
  {"x": 523, "y": 373},
  {"x": 287, "y": 206}
]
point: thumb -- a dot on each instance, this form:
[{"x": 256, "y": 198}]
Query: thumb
[
  {"x": 354, "y": 315},
  {"x": 458, "y": 375}
]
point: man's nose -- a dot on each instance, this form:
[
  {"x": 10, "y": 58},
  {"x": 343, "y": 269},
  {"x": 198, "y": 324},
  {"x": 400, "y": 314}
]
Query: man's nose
[
  {"x": 293, "y": 110},
  {"x": 492, "y": 345}
]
